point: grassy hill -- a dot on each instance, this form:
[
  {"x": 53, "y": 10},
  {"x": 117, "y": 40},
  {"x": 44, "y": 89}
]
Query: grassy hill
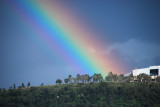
[{"x": 103, "y": 94}]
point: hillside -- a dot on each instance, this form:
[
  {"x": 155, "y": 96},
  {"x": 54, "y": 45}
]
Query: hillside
[{"x": 101, "y": 94}]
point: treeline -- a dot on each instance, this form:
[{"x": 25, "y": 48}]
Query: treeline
[
  {"x": 87, "y": 91},
  {"x": 96, "y": 78},
  {"x": 15, "y": 87}
]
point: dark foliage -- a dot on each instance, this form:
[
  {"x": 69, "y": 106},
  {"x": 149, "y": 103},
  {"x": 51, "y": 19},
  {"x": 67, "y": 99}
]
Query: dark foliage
[
  {"x": 87, "y": 91},
  {"x": 103, "y": 94}
]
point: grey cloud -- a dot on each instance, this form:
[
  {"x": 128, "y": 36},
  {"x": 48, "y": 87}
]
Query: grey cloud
[{"x": 135, "y": 52}]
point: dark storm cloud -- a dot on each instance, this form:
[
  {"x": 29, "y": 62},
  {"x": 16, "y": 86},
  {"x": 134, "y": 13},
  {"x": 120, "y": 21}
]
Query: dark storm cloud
[
  {"x": 136, "y": 53},
  {"x": 121, "y": 20}
]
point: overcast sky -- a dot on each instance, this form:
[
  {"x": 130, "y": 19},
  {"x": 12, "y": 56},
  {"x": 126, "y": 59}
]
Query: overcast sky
[{"x": 132, "y": 28}]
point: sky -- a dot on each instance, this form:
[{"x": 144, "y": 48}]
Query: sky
[{"x": 127, "y": 30}]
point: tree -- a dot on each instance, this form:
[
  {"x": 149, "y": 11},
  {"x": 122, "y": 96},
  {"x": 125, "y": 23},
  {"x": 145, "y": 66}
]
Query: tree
[
  {"x": 58, "y": 81},
  {"x": 78, "y": 78},
  {"x": 115, "y": 78},
  {"x": 131, "y": 78},
  {"x": 75, "y": 80},
  {"x": 89, "y": 79},
  {"x": 70, "y": 78},
  {"x": 95, "y": 77},
  {"x": 86, "y": 76},
  {"x": 23, "y": 86},
  {"x": 121, "y": 78},
  {"x": 110, "y": 77},
  {"x": 144, "y": 78},
  {"x": 82, "y": 78},
  {"x": 28, "y": 85},
  {"x": 66, "y": 80},
  {"x": 99, "y": 77},
  {"x": 42, "y": 84},
  {"x": 14, "y": 86}
]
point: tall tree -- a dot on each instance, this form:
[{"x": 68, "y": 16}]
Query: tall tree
[
  {"x": 121, "y": 78},
  {"x": 95, "y": 77},
  {"x": 109, "y": 77},
  {"x": 14, "y": 86},
  {"x": 83, "y": 78},
  {"x": 89, "y": 79},
  {"x": 99, "y": 77},
  {"x": 115, "y": 78},
  {"x": 75, "y": 80},
  {"x": 23, "y": 86},
  {"x": 66, "y": 80},
  {"x": 70, "y": 78},
  {"x": 130, "y": 78},
  {"x": 78, "y": 78},
  {"x": 86, "y": 76},
  {"x": 42, "y": 84},
  {"x": 58, "y": 81},
  {"x": 28, "y": 85}
]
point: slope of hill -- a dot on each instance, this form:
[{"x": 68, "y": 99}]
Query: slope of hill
[{"x": 84, "y": 95}]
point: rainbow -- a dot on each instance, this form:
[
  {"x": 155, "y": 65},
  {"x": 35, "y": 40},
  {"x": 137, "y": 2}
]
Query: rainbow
[{"x": 66, "y": 35}]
